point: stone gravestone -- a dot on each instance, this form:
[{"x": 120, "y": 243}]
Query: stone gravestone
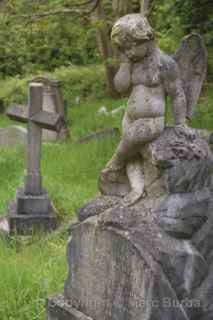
[
  {"x": 143, "y": 249},
  {"x": 53, "y": 102},
  {"x": 13, "y": 135},
  {"x": 32, "y": 208}
]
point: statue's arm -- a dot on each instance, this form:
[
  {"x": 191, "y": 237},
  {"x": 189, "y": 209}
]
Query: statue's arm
[
  {"x": 175, "y": 90},
  {"x": 122, "y": 79}
]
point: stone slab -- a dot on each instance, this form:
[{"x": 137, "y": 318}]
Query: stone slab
[
  {"x": 18, "y": 113},
  {"x": 32, "y": 204},
  {"x": 4, "y": 227},
  {"x": 49, "y": 120},
  {"x": 13, "y": 135},
  {"x": 116, "y": 269},
  {"x": 60, "y": 309},
  {"x": 4, "y": 224},
  {"x": 27, "y": 224}
]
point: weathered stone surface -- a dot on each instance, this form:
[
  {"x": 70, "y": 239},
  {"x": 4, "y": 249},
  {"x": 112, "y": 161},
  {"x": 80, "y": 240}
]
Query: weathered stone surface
[
  {"x": 118, "y": 271},
  {"x": 184, "y": 160},
  {"x": 203, "y": 240},
  {"x": 180, "y": 160},
  {"x": 97, "y": 206},
  {"x": 144, "y": 249},
  {"x": 191, "y": 58},
  {"x": 53, "y": 111},
  {"x": 49, "y": 120},
  {"x": 27, "y": 224},
  {"x": 32, "y": 204},
  {"x": 53, "y": 102},
  {"x": 32, "y": 209},
  {"x": 180, "y": 214},
  {"x": 152, "y": 259},
  {"x": 149, "y": 76},
  {"x": 18, "y": 112},
  {"x": 13, "y": 135},
  {"x": 58, "y": 308},
  {"x": 123, "y": 265}
]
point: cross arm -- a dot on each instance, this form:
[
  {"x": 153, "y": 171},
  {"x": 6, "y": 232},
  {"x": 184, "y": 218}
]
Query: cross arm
[
  {"x": 44, "y": 119},
  {"x": 18, "y": 113},
  {"x": 49, "y": 120}
]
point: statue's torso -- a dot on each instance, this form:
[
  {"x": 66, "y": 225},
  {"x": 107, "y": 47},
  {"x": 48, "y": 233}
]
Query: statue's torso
[
  {"x": 147, "y": 99},
  {"x": 146, "y": 102}
]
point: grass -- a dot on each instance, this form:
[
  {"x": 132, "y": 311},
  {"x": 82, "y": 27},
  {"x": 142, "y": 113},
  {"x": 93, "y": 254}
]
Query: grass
[
  {"x": 66, "y": 167},
  {"x": 29, "y": 273},
  {"x": 5, "y": 122},
  {"x": 31, "y": 270},
  {"x": 204, "y": 114}
]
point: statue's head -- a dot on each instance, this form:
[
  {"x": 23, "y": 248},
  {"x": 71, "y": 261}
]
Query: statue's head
[{"x": 133, "y": 34}]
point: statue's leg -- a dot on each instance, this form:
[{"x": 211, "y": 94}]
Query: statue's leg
[
  {"x": 134, "y": 170},
  {"x": 118, "y": 159},
  {"x": 135, "y": 135}
]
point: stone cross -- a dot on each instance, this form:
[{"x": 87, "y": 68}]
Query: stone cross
[
  {"x": 53, "y": 102},
  {"x": 32, "y": 209},
  {"x": 52, "y": 91},
  {"x": 36, "y": 119}
]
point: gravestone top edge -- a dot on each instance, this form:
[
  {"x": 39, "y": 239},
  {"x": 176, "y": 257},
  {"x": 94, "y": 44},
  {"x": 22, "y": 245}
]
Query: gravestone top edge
[
  {"x": 46, "y": 81},
  {"x": 36, "y": 84}
]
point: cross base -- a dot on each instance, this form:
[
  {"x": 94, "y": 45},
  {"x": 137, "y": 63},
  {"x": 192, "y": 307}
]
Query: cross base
[
  {"x": 58, "y": 308},
  {"x": 28, "y": 214}
]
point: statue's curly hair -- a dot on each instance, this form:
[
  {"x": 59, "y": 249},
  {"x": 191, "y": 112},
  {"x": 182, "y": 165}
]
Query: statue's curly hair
[{"x": 132, "y": 27}]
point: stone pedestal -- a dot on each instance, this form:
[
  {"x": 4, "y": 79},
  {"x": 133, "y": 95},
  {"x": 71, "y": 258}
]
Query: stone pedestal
[
  {"x": 58, "y": 308},
  {"x": 151, "y": 260},
  {"x": 31, "y": 213},
  {"x": 125, "y": 264}
]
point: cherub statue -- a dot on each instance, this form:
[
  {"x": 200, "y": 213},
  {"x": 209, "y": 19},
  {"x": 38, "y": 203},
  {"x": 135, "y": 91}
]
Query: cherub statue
[{"x": 150, "y": 76}]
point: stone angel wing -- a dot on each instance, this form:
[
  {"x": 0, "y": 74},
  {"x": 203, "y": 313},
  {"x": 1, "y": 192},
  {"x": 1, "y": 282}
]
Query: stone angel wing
[{"x": 191, "y": 58}]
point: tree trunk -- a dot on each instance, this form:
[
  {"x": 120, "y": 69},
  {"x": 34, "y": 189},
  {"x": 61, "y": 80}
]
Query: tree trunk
[
  {"x": 146, "y": 7},
  {"x": 120, "y": 8},
  {"x": 105, "y": 48},
  {"x": 109, "y": 54}
]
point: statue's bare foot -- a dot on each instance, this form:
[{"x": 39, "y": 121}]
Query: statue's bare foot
[
  {"x": 133, "y": 197},
  {"x": 111, "y": 173}
]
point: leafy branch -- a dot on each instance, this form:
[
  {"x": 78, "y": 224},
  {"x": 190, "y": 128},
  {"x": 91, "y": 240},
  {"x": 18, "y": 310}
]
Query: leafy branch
[{"x": 65, "y": 11}]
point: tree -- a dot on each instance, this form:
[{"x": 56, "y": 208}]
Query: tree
[
  {"x": 28, "y": 15},
  {"x": 108, "y": 53},
  {"x": 103, "y": 15},
  {"x": 146, "y": 7}
]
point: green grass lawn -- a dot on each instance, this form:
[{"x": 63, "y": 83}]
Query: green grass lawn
[
  {"x": 70, "y": 170},
  {"x": 31, "y": 270},
  {"x": 5, "y": 122}
]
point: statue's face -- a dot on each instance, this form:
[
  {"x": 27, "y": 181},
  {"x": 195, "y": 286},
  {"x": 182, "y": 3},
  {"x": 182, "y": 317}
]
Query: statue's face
[{"x": 135, "y": 51}]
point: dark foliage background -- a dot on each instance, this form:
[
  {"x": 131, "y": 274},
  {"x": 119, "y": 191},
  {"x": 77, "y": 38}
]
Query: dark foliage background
[{"x": 62, "y": 40}]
